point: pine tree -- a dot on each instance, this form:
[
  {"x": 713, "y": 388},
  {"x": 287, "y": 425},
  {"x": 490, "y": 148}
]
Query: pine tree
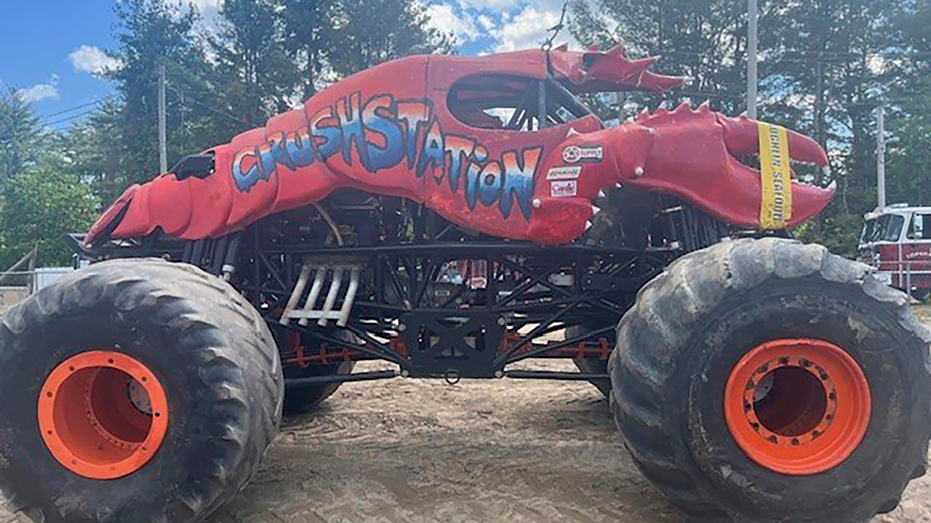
[
  {"x": 21, "y": 135},
  {"x": 368, "y": 32},
  {"x": 153, "y": 33},
  {"x": 308, "y": 36},
  {"x": 258, "y": 77}
]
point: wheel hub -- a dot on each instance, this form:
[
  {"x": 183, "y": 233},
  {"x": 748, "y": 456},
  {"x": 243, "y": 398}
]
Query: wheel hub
[
  {"x": 103, "y": 415},
  {"x": 797, "y": 406},
  {"x": 140, "y": 398}
]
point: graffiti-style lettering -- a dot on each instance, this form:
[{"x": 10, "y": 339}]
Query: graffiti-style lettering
[
  {"x": 433, "y": 153},
  {"x": 472, "y": 174},
  {"x": 489, "y": 184},
  {"x": 280, "y": 151},
  {"x": 301, "y": 148},
  {"x": 349, "y": 112},
  {"x": 459, "y": 149},
  {"x": 324, "y": 125},
  {"x": 266, "y": 161},
  {"x": 381, "y": 133},
  {"x": 246, "y": 169},
  {"x": 518, "y": 180},
  {"x": 413, "y": 116},
  {"x": 379, "y": 117}
]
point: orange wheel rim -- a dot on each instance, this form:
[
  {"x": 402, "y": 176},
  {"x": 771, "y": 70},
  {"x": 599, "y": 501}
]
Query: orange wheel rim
[
  {"x": 103, "y": 415},
  {"x": 797, "y": 406}
]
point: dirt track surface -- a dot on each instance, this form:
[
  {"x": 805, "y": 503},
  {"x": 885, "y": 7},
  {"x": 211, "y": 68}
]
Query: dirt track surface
[
  {"x": 480, "y": 451},
  {"x": 419, "y": 451}
]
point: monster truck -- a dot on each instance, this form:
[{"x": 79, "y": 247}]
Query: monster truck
[{"x": 454, "y": 216}]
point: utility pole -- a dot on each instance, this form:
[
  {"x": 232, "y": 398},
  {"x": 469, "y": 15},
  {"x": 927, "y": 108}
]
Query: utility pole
[
  {"x": 752, "y": 73},
  {"x": 162, "y": 138},
  {"x": 881, "y": 157}
]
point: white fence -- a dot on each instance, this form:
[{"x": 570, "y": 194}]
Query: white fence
[{"x": 18, "y": 285}]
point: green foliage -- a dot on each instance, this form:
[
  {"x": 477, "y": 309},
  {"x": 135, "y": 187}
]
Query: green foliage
[
  {"x": 369, "y": 32},
  {"x": 825, "y": 67},
  {"x": 93, "y": 148},
  {"x": 704, "y": 40},
  {"x": 307, "y": 32},
  {"x": 42, "y": 203},
  {"x": 39, "y": 198},
  {"x": 258, "y": 76},
  {"x": 153, "y": 33},
  {"x": 20, "y": 135},
  {"x": 909, "y": 174}
]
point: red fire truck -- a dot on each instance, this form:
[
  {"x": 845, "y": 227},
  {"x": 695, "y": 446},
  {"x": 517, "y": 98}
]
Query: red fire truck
[{"x": 896, "y": 240}]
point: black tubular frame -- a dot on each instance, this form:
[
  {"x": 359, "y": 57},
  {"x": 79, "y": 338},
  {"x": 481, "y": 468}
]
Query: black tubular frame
[
  {"x": 537, "y": 301},
  {"x": 520, "y": 295}
]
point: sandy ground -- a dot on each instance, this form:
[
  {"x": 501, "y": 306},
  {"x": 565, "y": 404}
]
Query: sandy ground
[{"x": 481, "y": 451}]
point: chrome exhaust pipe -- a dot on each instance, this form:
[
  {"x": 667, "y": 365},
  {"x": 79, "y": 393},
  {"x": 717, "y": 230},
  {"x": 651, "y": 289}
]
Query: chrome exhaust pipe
[
  {"x": 314, "y": 294},
  {"x": 296, "y": 295},
  {"x": 350, "y": 297},
  {"x": 331, "y": 296}
]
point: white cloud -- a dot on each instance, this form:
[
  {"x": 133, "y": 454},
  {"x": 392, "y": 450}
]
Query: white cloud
[
  {"x": 490, "y": 5},
  {"x": 511, "y": 5},
  {"x": 40, "y": 92},
  {"x": 529, "y": 28},
  {"x": 485, "y": 22},
  {"x": 877, "y": 64},
  {"x": 93, "y": 60},
  {"x": 203, "y": 5},
  {"x": 444, "y": 18}
]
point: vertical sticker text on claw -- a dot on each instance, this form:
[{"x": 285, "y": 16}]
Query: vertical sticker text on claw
[
  {"x": 776, "y": 177},
  {"x": 564, "y": 188}
]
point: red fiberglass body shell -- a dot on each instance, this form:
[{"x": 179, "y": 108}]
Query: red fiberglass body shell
[{"x": 388, "y": 130}]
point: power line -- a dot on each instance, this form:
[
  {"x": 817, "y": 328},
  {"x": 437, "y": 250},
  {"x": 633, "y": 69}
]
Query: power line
[
  {"x": 69, "y": 118},
  {"x": 75, "y": 108},
  {"x": 189, "y": 98}
]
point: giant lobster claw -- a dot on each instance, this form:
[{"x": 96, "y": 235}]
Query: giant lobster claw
[{"x": 694, "y": 154}]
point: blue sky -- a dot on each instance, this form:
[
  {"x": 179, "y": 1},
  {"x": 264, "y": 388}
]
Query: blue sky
[
  {"x": 37, "y": 39},
  {"x": 53, "y": 49}
]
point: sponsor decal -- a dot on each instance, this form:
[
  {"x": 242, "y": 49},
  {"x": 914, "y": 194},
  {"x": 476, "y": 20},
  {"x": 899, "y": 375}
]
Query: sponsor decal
[
  {"x": 568, "y": 172},
  {"x": 775, "y": 173},
  {"x": 576, "y": 154},
  {"x": 564, "y": 189}
]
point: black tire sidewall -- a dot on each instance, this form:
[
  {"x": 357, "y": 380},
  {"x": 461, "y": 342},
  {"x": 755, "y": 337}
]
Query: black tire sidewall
[
  {"x": 54, "y": 327},
  {"x": 783, "y": 309}
]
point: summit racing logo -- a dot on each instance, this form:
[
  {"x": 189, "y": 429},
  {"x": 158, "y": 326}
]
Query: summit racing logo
[
  {"x": 576, "y": 154},
  {"x": 383, "y": 133}
]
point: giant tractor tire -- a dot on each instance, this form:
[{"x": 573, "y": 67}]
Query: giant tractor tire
[
  {"x": 762, "y": 381},
  {"x": 134, "y": 391}
]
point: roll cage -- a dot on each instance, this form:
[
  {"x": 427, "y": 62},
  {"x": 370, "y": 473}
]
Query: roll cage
[{"x": 527, "y": 104}]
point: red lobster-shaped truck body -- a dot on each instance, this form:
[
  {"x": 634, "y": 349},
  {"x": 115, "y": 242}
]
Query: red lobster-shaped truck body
[{"x": 426, "y": 128}]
